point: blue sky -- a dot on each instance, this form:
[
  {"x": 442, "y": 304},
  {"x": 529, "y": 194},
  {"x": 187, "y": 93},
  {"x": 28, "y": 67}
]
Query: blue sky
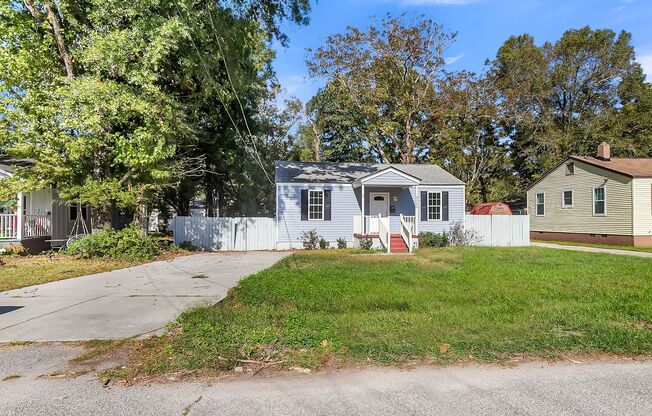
[{"x": 482, "y": 26}]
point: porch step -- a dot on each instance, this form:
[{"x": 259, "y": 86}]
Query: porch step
[{"x": 397, "y": 245}]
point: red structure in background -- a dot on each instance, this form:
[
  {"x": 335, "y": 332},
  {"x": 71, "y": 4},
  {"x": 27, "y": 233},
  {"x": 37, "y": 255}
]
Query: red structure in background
[{"x": 491, "y": 208}]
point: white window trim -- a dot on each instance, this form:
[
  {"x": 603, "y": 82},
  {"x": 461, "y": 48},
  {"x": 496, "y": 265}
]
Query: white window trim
[
  {"x": 441, "y": 206},
  {"x": 563, "y": 201},
  {"x": 593, "y": 201},
  {"x": 310, "y": 191},
  {"x": 536, "y": 204}
]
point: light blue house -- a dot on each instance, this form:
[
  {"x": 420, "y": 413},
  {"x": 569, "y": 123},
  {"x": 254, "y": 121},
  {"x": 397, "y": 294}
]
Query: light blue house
[{"x": 390, "y": 203}]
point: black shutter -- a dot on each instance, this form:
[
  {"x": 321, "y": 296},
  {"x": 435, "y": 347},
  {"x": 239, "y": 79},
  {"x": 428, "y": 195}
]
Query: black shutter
[
  {"x": 304, "y": 205},
  {"x": 444, "y": 206},
  {"x": 327, "y": 205},
  {"x": 424, "y": 206}
]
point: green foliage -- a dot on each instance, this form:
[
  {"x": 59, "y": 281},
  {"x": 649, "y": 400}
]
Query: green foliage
[
  {"x": 366, "y": 243},
  {"x": 311, "y": 239},
  {"x": 488, "y": 303},
  {"x": 323, "y": 245},
  {"x": 138, "y": 101},
  {"x": 129, "y": 243},
  {"x": 430, "y": 239},
  {"x": 341, "y": 243}
]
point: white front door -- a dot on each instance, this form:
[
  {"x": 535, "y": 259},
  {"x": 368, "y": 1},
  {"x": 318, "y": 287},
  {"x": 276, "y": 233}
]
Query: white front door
[{"x": 378, "y": 204}]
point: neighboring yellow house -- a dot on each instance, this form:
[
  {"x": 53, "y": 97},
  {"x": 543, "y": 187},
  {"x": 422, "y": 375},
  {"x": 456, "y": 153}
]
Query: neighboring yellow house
[{"x": 594, "y": 200}]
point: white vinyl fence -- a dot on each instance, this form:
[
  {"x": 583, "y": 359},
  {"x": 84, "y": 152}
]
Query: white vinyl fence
[
  {"x": 237, "y": 234},
  {"x": 500, "y": 230}
]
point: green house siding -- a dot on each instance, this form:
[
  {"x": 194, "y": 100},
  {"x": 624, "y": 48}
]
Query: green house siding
[{"x": 579, "y": 218}]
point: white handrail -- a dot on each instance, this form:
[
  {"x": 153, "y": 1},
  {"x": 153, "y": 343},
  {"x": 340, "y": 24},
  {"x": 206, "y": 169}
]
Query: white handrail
[
  {"x": 383, "y": 232},
  {"x": 407, "y": 229},
  {"x": 8, "y": 226}
]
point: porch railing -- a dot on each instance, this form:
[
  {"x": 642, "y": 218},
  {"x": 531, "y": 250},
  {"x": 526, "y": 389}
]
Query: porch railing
[
  {"x": 8, "y": 226},
  {"x": 408, "y": 228},
  {"x": 37, "y": 226},
  {"x": 383, "y": 232},
  {"x": 368, "y": 226}
]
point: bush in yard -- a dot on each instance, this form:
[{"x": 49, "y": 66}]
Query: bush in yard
[
  {"x": 14, "y": 250},
  {"x": 130, "y": 243},
  {"x": 323, "y": 245},
  {"x": 428, "y": 239},
  {"x": 310, "y": 239},
  {"x": 341, "y": 243},
  {"x": 366, "y": 243},
  {"x": 459, "y": 236}
]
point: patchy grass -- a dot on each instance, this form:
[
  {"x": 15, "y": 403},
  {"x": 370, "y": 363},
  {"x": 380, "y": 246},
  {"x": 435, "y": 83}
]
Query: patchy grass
[
  {"x": 20, "y": 272},
  {"x": 332, "y": 308},
  {"x": 571, "y": 243},
  {"x": 33, "y": 270}
]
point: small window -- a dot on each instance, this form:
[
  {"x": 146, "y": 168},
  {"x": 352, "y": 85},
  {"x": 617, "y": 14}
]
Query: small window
[
  {"x": 316, "y": 205},
  {"x": 379, "y": 198},
  {"x": 541, "y": 209},
  {"x": 72, "y": 211},
  {"x": 567, "y": 198},
  {"x": 570, "y": 169},
  {"x": 599, "y": 201},
  {"x": 434, "y": 206}
]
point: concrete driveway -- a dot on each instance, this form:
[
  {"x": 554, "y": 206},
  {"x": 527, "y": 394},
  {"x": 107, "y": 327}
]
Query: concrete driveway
[{"x": 123, "y": 303}]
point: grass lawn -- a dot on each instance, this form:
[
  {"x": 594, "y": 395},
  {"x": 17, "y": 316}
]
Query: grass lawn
[
  {"x": 571, "y": 243},
  {"x": 334, "y": 308},
  {"x": 33, "y": 270}
]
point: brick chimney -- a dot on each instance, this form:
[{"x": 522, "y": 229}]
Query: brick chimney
[{"x": 604, "y": 151}]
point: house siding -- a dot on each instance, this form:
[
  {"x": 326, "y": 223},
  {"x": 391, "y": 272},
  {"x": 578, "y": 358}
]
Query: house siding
[
  {"x": 456, "y": 201},
  {"x": 642, "y": 191},
  {"x": 580, "y": 218},
  {"x": 389, "y": 178},
  {"x": 344, "y": 205}
]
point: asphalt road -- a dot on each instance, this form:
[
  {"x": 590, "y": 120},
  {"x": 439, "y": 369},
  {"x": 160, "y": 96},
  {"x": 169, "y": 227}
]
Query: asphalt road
[
  {"x": 621, "y": 387},
  {"x": 124, "y": 303}
]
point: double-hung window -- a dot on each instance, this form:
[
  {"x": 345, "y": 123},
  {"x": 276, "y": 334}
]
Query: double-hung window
[
  {"x": 315, "y": 205},
  {"x": 540, "y": 202},
  {"x": 599, "y": 201},
  {"x": 434, "y": 206},
  {"x": 567, "y": 198}
]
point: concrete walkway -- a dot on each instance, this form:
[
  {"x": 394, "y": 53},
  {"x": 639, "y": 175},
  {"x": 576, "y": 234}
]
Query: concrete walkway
[
  {"x": 123, "y": 303},
  {"x": 595, "y": 250},
  {"x": 618, "y": 387}
]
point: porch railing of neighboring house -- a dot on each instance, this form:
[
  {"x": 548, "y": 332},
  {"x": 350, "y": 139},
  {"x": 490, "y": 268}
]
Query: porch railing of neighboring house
[
  {"x": 8, "y": 226},
  {"x": 37, "y": 226},
  {"x": 408, "y": 229}
]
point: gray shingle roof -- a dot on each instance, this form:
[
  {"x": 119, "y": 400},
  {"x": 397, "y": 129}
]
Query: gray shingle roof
[
  {"x": 8, "y": 163},
  {"x": 315, "y": 172}
]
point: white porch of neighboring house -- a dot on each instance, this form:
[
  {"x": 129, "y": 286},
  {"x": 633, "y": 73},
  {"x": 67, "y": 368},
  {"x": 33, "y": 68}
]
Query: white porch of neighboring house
[
  {"x": 388, "y": 207},
  {"x": 35, "y": 218}
]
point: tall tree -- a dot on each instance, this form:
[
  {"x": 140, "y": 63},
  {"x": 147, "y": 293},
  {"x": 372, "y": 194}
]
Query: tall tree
[
  {"x": 387, "y": 75},
  {"x": 116, "y": 101},
  {"x": 560, "y": 98}
]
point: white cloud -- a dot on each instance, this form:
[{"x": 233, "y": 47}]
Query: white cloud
[
  {"x": 646, "y": 62},
  {"x": 452, "y": 59},
  {"x": 438, "y": 2}
]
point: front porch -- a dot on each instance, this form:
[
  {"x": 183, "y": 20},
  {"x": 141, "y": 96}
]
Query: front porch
[{"x": 388, "y": 208}]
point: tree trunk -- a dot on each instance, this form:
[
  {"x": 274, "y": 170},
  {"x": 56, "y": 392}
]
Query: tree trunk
[{"x": 57, "y": 31}]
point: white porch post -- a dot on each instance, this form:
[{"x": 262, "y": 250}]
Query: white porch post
[
  {"x": 417, "y": 208},
  {"x": 20, "y": 222},
  {"x": 364, "y": 226}
]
